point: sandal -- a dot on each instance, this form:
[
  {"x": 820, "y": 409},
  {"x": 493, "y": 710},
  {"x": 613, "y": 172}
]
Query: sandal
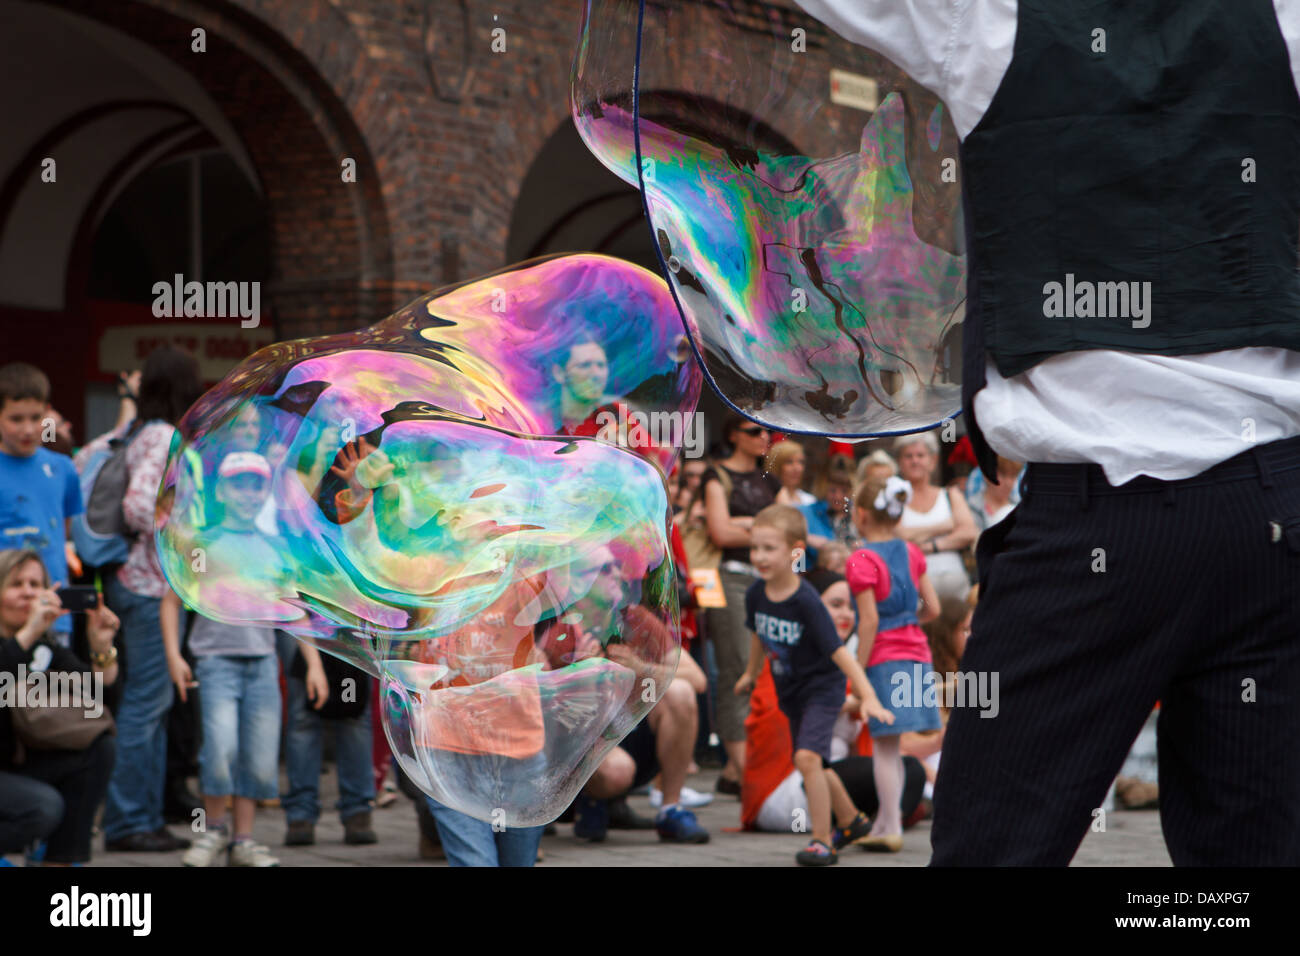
[{"x": 816, "y": 853}]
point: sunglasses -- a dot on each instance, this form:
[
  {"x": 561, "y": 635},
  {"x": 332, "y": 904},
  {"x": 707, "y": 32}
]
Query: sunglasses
[{"x": 753, "y": 430}]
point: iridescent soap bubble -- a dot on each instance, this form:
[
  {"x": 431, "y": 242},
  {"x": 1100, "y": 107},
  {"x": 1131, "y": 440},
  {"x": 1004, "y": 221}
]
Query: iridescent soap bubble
[
  {"x": 814, "y": 233},
  {"x": 430, "y": 500}
]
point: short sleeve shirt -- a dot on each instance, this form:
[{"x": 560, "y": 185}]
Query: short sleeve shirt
[
  {"x": 799, "y": 638},
  {"x": 866, "y": 570},
  {"x": 36, "y": 494}
]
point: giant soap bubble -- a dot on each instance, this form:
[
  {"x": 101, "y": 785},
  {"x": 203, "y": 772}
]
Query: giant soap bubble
[
  {"x": 467, "y": 501},
  {"x": 810, "y": 233}
]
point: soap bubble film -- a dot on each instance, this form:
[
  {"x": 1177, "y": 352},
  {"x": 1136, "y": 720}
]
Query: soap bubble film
[
  {"x": 809, "y": 224},
  {"x": 458, "y": 500}
]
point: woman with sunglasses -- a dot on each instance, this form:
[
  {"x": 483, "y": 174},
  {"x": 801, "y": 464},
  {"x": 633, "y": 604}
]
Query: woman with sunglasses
[{"x": 731, "y": 501}]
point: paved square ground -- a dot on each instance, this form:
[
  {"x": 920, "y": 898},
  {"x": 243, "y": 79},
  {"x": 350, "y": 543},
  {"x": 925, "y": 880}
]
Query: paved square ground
[{"x": 1131, "y": 838}]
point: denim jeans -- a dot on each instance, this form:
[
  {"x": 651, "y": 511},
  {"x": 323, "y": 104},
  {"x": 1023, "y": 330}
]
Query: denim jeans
[
  {"x": 352, "y": 749},
  {"x": 239, "y": 701},
  {"x": 135, "y": 790},
  {"x": 470, "y": 842}
]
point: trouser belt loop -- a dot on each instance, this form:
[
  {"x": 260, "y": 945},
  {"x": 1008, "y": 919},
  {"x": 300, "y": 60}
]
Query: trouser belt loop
[
  {"x": 1171, "y": 498},
  {"x": 1083, "y": 488},
  {"x": 1265, "y": 476}
]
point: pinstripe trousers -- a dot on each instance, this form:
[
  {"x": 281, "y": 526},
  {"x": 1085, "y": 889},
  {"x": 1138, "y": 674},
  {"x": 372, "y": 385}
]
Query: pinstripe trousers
[{"x": 1095, "y": 603}]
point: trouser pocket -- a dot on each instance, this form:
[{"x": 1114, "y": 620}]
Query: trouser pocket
[
  {"x": 1291, "y": 533},
  {"x": 991, "y": 543}
]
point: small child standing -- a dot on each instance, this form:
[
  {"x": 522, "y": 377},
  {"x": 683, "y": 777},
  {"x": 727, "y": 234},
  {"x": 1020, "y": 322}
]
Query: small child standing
[
  {"x": 885, "y": 577},
  {"x": 239, "y": 674},
  {"x": 788, "y": 622}
]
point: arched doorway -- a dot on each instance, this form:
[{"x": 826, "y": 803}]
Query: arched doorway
[{"x": 142, "y": 160}]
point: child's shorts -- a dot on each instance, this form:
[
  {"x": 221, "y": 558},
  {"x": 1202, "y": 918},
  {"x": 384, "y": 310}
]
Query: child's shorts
[
  {"x": 902, "y": 688},
  {"x": 239, "y": 701},
  {"x": 812, "y": 720}
]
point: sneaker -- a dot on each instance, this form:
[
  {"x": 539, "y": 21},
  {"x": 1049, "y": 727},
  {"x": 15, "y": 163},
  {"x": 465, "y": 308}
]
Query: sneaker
[
  {"x": 300, "y": 833},
  {"x": 816, "y": 853},
  {"x": 208, "y": 850},
  {"x": 248, "y": 853},
  {"x": 592, "y": 819},
  {"x": 690, "y": 799},
  {"x": 843, "y": 836},
  {"x": 678, "y": 825},
  {"x": 357, "y": 830}
]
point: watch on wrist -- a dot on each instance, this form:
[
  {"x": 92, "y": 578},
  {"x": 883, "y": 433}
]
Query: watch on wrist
[{"x": 103, "y": 659}]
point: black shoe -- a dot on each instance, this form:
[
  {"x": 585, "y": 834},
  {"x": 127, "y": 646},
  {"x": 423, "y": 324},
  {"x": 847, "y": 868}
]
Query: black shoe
[
  {"x": 179, "y": 805},
  {"x": 300, "y": 833},
  {"x": 724, "y": 785},
  {"x": 177, "y": 843},
  {"x": 357, "y": 830},
  {"x": 160, "y": 841},
  {"x": 623, "y": 817}
]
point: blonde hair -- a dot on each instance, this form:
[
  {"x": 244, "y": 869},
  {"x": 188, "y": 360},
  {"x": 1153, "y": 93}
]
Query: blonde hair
[
  {"x": 780, "y": 454},
  {"x": 11, "y": 560},
  {"x": 925, "y": 438},
  {"x": 789, "y": 521},
  {"x": 877, "y": 459},
  {"x": 14, "y": 558},
  {"x": 832, "y": 556},
  {"x": 866, "y": 500},
  {"x": 880, "y": 462}
]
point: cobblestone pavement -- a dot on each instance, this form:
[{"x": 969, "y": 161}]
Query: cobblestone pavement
[{"x": 1132, "y": 838}]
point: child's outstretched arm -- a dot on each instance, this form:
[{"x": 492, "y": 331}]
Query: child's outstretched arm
[
  {"x": 871, "y": 706},
  {"x": 748, "y": 679},
  {"x": 868, "y": 625},
  {"x": 930, "y": 607}
]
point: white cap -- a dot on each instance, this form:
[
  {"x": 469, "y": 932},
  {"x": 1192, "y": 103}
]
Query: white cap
[{"x": 244, "y": 463}]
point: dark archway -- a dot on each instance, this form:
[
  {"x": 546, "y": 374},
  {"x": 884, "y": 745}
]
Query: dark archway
[{"x": 237, "y": 150}]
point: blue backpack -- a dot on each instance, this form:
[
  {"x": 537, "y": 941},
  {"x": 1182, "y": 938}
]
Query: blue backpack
[{"x": 100, "y": 533}]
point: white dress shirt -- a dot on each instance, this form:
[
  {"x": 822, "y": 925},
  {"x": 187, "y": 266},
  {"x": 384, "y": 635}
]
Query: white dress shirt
[{"x": 1134, "y": 414}]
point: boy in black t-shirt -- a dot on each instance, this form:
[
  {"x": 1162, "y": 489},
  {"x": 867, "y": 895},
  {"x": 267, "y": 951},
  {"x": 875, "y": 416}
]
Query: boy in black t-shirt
[{"x": 789, "y": 623}]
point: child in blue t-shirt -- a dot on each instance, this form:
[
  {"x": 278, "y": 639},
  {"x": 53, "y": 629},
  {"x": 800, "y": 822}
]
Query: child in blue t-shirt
[
  {"x": 39, "y": 491},
  {"x": 789, "y": 624}
]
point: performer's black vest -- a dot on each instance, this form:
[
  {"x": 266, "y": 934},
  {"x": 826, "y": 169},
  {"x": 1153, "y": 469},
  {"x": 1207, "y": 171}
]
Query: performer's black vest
[{"x": 1144, "y": 199}]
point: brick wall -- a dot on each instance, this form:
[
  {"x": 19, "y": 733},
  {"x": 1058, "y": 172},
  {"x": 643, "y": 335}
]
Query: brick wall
[{"x": 442, "y": 129}]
